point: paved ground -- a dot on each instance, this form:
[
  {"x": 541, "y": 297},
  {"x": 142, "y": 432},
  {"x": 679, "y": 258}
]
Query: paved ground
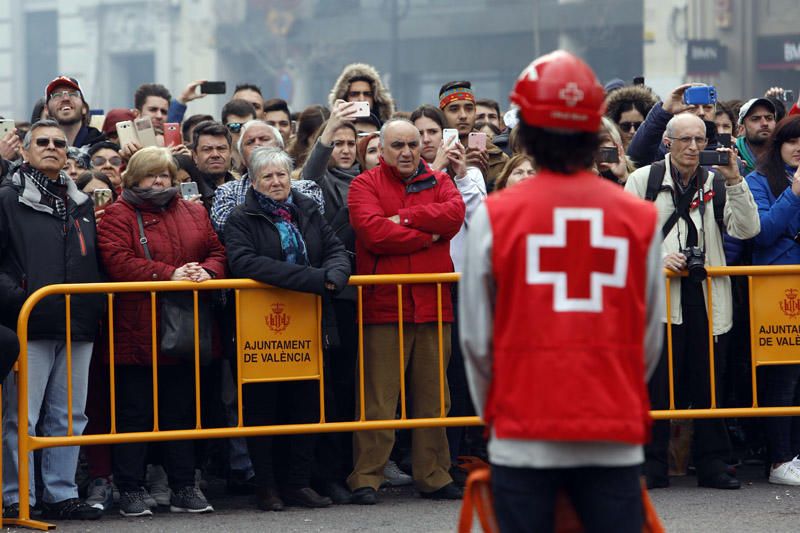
[{"x": 758, "y": 507}]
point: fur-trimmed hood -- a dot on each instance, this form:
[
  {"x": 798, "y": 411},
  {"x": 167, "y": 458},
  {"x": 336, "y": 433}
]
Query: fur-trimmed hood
[
  {"x": 383, "y": 98},
  {"x": 630, "y": 93}
]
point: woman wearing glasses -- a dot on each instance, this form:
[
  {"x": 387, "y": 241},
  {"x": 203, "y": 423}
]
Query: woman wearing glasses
[
  {"x": 628, "y": 107},
  {"x": 181, "y": 246},
  {"x": 104, "y": 156}
]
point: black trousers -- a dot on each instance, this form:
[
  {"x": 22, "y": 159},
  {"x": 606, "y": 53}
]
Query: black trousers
[
  {"x": 291, "y": 402},
  {"x": 134, "y": 399},
  {"x": 334, "y": 451},
  {"x": 460, "y": 401},
  {"x": 605, "y": 498},
  {"x": 9, "y": 350},
  {"x": 710, "y": 445}
]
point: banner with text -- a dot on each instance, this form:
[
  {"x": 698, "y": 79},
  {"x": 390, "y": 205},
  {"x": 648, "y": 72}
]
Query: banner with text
[
  {"x": 775, "y": 318},
  {"x": 279, "y": 334}
]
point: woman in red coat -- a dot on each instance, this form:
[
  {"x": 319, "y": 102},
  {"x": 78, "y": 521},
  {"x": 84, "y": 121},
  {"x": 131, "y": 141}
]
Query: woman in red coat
[{"x": 183, "y": 247}]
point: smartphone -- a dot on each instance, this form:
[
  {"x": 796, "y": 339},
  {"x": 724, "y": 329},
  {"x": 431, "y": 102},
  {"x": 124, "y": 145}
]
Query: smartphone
[
  {"x": 361, "y": 109},
  {"x": 145, "y": 131},
  {"x": 212, "y": 87},
  {"x": 724, "y": 140},
  {"x": 172, "y": 134},
  {"x": 700, "y": 95},
  {"x": 6, "y": 126},
  {"x": 448, "y": 136},
  {"x": 189, "y": 190},
  {"x": 608, "y": 154},
  {"x": 712, "y": 157},
  {"x": 788, "y": 96},
  {"x": 638, "y": 80},
  {"x": 477, "y": 139},
  {"x": 102, "y": 197},
  {"x": 126, "y": 132}
]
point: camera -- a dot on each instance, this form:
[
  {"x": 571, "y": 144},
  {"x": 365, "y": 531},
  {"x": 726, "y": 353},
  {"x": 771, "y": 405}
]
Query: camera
[{"x": 695, "y": 263}]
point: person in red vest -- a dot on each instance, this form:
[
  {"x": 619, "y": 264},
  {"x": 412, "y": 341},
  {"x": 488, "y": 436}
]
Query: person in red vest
[{"x": 560, "y": 302}]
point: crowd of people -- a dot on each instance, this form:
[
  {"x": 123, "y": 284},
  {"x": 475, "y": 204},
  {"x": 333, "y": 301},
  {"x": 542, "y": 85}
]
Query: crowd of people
[{"x": 301, "y": 200}]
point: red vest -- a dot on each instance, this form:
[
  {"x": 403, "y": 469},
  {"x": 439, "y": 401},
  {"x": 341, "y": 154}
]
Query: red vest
[{"x": 569, "y": 258}]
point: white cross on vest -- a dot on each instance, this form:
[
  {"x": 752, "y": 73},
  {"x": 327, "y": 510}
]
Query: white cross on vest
[{"x": 579, "y": 261}]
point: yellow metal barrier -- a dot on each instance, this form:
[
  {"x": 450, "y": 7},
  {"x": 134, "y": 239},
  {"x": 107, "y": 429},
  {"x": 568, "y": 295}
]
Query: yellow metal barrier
[{"x": 28, "y": 443}]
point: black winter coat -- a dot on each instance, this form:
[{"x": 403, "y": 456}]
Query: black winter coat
[
  {"x": 253, "y": 247},
  {"x": 38, "y": 248}
]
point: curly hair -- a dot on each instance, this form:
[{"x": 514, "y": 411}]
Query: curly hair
[{"x": 637, "y": 97}]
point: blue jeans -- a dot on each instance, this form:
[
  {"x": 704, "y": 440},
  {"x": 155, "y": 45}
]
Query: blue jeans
[
  {"x": 47, "y": 393},
  {"x": 605, "y": 498}
]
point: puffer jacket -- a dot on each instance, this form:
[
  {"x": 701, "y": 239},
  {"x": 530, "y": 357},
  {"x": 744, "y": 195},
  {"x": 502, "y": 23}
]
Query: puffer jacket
[
  {"x": 384, "y": 104},
  {"x": 179, "y": 234},
  {"x": 428, "y": 204},
  {"x": 780, "y": 222}
]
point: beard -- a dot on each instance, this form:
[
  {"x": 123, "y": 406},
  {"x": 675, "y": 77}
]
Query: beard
[{"x": 756, "y": 139}]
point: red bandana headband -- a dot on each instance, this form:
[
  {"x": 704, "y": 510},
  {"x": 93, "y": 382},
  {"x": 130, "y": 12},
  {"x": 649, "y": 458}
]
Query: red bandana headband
[{"x": 457, "y": 93}]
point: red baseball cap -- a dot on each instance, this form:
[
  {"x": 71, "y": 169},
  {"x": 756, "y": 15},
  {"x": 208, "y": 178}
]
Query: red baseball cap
[
  {"x": 560, "y": 91},
  {"x": 62, "y": 81}
]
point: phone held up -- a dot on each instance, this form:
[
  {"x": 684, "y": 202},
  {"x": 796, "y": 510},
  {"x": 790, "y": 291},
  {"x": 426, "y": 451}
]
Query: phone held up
[
  {"x": 189, "y": 190},
  {"x": 704, "y": 95},
  {"x": 449, "y": 136},
  {"x": 361, "y": 109},
  {"x": 172, "y": 134},
  {"x": 212, "y": 87},
  {"x": 608, "y": 154},
  {"x": 101, "y": 197},
  {"x": 477, "y": 139},
  {"x": 712, "y": 157}
]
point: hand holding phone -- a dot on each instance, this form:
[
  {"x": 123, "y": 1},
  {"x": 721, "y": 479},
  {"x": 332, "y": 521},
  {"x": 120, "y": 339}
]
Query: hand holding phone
[
  {"x": 449, "y": 136},
  {"x": 361, "y": 109},
  {"x": 703, "y": 95}
]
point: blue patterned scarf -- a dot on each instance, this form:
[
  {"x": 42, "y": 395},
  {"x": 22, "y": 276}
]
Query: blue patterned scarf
[{"x": 284, "y": 216}]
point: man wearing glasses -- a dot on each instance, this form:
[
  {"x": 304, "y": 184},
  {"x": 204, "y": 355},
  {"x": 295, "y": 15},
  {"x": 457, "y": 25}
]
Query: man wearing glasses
[
  {"x": 234, "y": 114},
  {"x": 47, "y": 236},
  {"x": 686, "y": 212},
  {"x": 68, "y": 108}
]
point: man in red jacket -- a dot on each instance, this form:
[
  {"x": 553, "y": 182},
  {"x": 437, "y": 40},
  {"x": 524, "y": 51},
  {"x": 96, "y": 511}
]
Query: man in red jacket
[
  {"x": 560, "y": 309},
  {"x": 404, "y": 215}
]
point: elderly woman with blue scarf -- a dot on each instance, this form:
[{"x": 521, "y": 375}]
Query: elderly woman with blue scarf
[
  {"x": 279, "y": 237},
  {"x": 776, "y": 189}
]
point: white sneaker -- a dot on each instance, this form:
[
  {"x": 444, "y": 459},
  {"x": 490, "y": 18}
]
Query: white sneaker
[
  {"x": 157, "y": 484},
  {"x": 396, "y": 477},
  {"x": 787, "y": 473}
]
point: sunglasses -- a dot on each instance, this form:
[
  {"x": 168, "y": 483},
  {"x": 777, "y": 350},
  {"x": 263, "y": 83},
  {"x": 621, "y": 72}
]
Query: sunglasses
[
  {"x": 626, "y": 126},
  {"x": 99, "y": 161},
  {"x": 234, "y": 127},
  {"x": 356, "y": 94},
  {"x": 44, "y": 142}
]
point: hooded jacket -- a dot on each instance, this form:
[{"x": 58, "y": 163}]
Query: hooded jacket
[{"x": 384, "y": 105}]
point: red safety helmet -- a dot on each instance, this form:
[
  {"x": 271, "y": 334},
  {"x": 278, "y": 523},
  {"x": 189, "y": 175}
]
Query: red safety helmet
[{"x": 559, "y": 90}]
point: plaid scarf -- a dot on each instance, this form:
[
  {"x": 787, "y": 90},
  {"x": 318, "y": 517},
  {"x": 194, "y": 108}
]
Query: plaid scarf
[
  {"x": 284, "y": 216},
  {"x": 46, "y": 186}
]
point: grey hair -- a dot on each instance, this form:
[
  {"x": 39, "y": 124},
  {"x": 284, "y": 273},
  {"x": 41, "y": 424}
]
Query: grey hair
[
  {"x": 670, "y": 129},
  {"x": 46, "y": 123},
  {"x": 249, "y": 124},
  {"x": 264, "y": 156},
  {"x": 395, "y": 121}
]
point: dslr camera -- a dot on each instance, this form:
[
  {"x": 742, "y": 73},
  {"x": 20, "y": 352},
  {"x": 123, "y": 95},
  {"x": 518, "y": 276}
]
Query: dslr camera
[{"x": 695, "y": 263}]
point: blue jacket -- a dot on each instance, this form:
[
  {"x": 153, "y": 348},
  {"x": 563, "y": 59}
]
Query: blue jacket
[
  {"x": 780, "y": 222},
  {"x": 646, "y": 145}
]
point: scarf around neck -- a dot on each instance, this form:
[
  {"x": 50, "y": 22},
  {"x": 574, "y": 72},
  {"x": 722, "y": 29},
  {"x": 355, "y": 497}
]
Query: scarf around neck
[
  {"x": 152, "y": 198},
  {"x": 284, "y": 216}
]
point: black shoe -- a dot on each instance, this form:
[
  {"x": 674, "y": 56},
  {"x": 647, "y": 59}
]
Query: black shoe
[
  {"x": 459, "y": 475},
  {"x": 72, "y": 509},
  {"x": 337, "y": 492},
  {"x": 364, "y": 496},
  {"x": 305, "y": 497},
  {"x": 269, "y": 500},
  {"x": 11, "y": 510},
  {"x": 722, "y": 480},
  {"x": 448, "y": 492},
  {"x": 239, "y": 483}
]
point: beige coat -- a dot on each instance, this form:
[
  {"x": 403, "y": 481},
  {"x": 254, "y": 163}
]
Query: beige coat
[{"x": 741, "y": 220}]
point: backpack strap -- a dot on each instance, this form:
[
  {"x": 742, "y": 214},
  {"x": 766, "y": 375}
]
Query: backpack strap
[{"x": 654, "y": 179}]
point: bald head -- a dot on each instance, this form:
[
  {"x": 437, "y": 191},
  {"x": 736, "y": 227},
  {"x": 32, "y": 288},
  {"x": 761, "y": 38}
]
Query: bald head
[
  {"x": 400, "y": 146},
  {"x": 681, "y": 122},
  {"x": 686, "y": 138}
]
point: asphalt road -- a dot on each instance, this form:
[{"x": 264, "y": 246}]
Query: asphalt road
[{"x": 757, "y": 507}]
